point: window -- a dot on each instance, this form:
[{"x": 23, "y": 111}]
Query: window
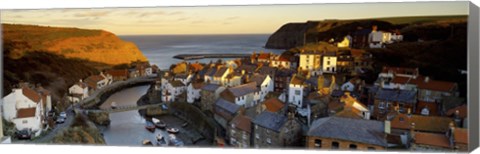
[
  {"x": 269, "y": 141},
  {"x": 335, "y": 145},
  {"x": 232, "y": 132},
  {"x": 24, "y": 121},
  {"x": 268, "y": 131},
  {"x": 353, "y": 146},
  {"x": 381, "y": 105},
  {"x": 318, "y": 143},
  {"x": 328, "y": 62},
  {"x": 371, "y": 148},
  {"x": 328, "y": 68},
  {"x": 244, "y": 136},
  {"x": 257, "y": 136},
  {"x": 297, "y": 92},
  {"x": 256, "y": 127}
]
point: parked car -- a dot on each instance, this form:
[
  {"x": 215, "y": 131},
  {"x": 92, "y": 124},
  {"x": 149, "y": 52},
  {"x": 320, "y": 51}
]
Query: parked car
[
  {"x": 24, "y": 134},
  {"x": 63, "y": 114},
  {"x": 164, "y": 107},
  {"x": 60, "y": 120}
]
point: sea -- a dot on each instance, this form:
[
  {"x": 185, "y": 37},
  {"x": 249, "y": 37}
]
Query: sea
[{"x": 160, "y": 49}]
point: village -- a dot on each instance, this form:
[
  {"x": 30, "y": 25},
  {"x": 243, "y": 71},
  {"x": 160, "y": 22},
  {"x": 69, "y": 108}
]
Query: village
[{"x": 317, "y": 99}]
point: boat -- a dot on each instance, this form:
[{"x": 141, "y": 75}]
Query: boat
[
  {"x": 159, "y": 123},
  {"x": 150, "y": 127},
  {"x": 113, "y": 105},
  {"x": 173, "y": 130},
  {"x": 161, "y": 141},
  {"x": 147, "y": 142}
]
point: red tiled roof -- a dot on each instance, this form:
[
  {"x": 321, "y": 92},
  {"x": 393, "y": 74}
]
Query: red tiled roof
[
  {"x": 431, "y": 139},
  {"x": 118, "y": 73},
  {"x": 273, "y": 104},
  {"x": 26, "y": 112},
  {"x": 242, "y": 122},
  {"x": 93, "y": 80},
  {"x": 264, "y": 56},
  {"x": 196, "y": 67},
  {"x": 31, "y": 94},
  {"x": 297, "y": 80},
  {"x": 357, "y": 52},
  {"x": 434, "y": 85},
  {"x": 460, "y": 135},
  {"x": 422, "y": 123},
  {"x": 462, "y": 110}
]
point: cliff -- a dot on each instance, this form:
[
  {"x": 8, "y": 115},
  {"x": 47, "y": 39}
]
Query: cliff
[
  {"x": 293, "y": 35},
  {"x": 92, "y": 45}
]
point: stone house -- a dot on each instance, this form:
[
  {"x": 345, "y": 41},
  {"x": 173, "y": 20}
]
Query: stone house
[
  {"x": 239, "y": 131},
  {"x": 224, "y": 111},
  {"x": 346, "y": 134},
  {"x": 118, "y": 74},
  {"x": 209, "y": 94},
  {"x": 276, "y": 130}
]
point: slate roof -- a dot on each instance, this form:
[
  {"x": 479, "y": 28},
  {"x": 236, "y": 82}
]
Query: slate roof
[
  {"x": 227, "y": 106},
  {"x": 337, "y": 93},
  {"x": 211, "y": 72},
  {"x": 407, "y": 96},
  {"x": 220, "y": 72},
  {"x": 258, "y": 78},
  {"x": 356, "y": 130},
  {"x": 211, "y": 87},
  {"x": 243, "y": 89},
  {"x": 270, "y": 120}
]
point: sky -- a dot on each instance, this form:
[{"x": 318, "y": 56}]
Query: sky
[{"x": 257, "y": 19}]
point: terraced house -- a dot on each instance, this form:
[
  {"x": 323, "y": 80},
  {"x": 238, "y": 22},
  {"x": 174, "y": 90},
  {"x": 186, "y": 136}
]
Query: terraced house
[
  {"x": 346, "y": 134},
  {"x": 276, "y": 130},
  {"x": 239, "y": 130}
]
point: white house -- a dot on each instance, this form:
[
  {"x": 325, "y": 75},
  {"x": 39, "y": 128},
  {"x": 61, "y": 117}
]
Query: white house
[
  {"x": 95, "y": 82},
  {"x": 281, "y": 61},
  {"x": 295, "y": 90},
  {"x": 25, "y": 107},
  {"x": 264, "y": 84},
  {"x": 220, "y": 76},
  {"x": 329, "y": 64},
  {"x": 233, "y": 79},
  {"x": 310, "y": 60},
  {"x": 193, "y": 91},
  {"x": 385, "y": 77},
  {"x": 242, "y": 95},
  {"x": 78, "y": 91}
]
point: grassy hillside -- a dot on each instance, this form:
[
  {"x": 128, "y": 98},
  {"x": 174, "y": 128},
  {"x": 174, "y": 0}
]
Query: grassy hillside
[
  {"x": 93, "y": 45},
  {"x": 54, "y": 72}
]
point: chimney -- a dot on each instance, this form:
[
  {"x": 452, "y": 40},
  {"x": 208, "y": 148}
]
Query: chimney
[
  {"x": 374, "y": 28},
  {"x": 409, "y": 112},
  {"x": 81, "y": 81},
  {"x": 427, "y": 79}
]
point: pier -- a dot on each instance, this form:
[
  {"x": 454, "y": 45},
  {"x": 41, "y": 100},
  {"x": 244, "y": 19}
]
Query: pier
[{"x": 202, "y": 56}]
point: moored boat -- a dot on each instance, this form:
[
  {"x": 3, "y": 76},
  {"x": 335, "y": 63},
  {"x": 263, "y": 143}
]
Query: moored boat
[
  {"x": 150, "y": 127},
  {"x": 147, "y": 142},
  {"x": 159, "y": 123},
  {"x": 173, "y": 130}
]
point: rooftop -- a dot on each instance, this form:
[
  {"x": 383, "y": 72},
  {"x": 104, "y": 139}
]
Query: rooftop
[
  {"x": 26, "y": 112},
  {"x": 432, "y": 139},
  {"x": 243, "y": 89},
  {"x": 355, "y": 130},
  {"x": 227, "y": 106},
  {"x": 407, "y": 96},
  {"x": 422, "y": 123},
  {"x": 270, "y": 120},
  {"x": 273, "y": 104},
  {"x": 242, "y": 122},
  {"x": 211, "y": 87}
]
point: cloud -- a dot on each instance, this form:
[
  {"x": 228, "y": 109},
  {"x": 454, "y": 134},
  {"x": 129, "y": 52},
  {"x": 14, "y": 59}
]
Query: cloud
[
  {"x": 232, "y": 18},
  {"x": 92, "y": 14},
  {"x": 183, "y": 18},
  {"x": 175, "y": 13},
  {"x": 147, "y": 14}
]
